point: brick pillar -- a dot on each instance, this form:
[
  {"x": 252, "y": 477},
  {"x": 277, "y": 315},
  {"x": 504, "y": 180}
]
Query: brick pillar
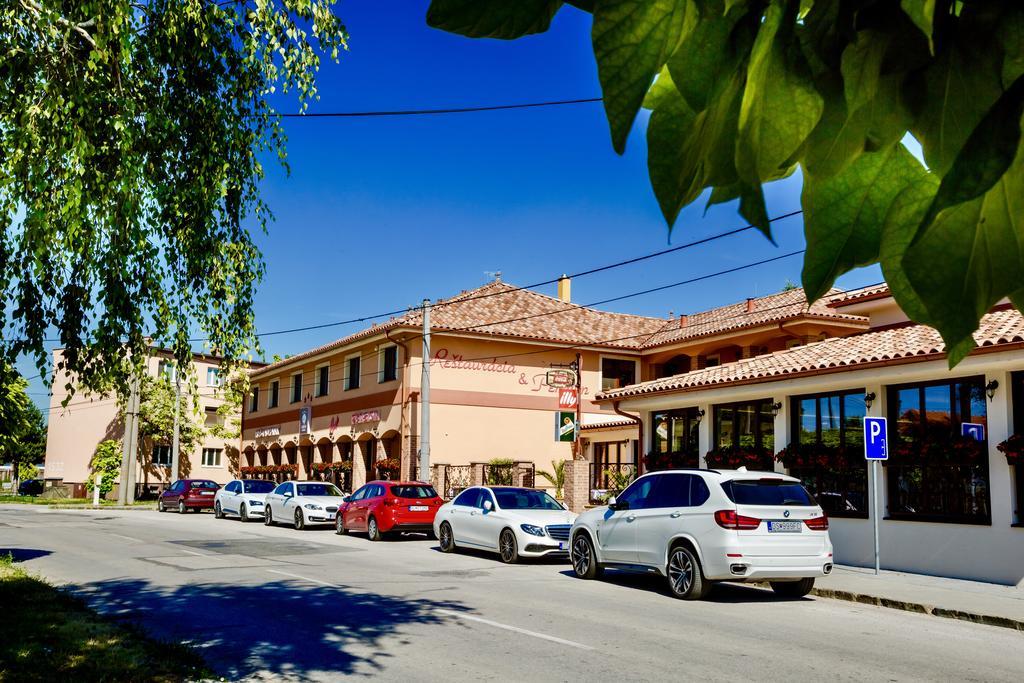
[
  {"x": 476, "y": 474},
  {"x": 577, "y": 484}
]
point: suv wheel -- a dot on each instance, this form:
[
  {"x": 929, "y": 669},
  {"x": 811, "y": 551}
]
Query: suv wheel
[
  {"x": 793, "y": 589},
  {"x": 508, "y": 548},
  {"x": 584, "y": 559},
  {"x": 685, "y": 579},
  {"x": 446, "y": 539},
  {"x": 181, "y": 507}
]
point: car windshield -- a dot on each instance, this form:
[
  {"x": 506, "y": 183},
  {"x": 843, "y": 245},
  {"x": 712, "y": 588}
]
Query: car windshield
[
  {"x": 413, "y": 491},
  {"x": 767, "y": 492},
  {"x": 525, "y": 499},
  {"x": 318, "y": 490},
  {"x": 259, "y": 486},
  {"x": 204, "y": 485}
]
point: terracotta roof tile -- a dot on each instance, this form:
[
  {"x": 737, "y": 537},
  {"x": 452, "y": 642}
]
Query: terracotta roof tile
[
  {"x": 856, "y": 295},
  {"x": 767, "y": 309},
  {"x": 900, "y": 344}
]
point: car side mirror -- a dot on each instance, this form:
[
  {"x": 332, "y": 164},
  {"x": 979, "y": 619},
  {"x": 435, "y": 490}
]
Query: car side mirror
[
  {"x": 488, "y": 505},
  {"x": 614, "y": 504},
  {"x": 346, "y": 499},
  {"x": 287, "y": 494}
]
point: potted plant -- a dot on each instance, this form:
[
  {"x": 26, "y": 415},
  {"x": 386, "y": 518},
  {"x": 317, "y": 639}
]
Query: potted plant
[
  {"x": 734, "y": 457},
  {"x": 1013, "y": 449}
]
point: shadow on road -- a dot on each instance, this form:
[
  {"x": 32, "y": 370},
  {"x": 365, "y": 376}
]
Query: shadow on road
[
  {"x": 24, "y": 554},
  {"x": 732, "y": 593},
  {"x": 280, "y": 628}
]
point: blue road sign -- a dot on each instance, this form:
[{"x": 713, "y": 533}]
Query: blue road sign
[
  {"x": 876, "y": 446},
  {"x": 973, "y": 430}
]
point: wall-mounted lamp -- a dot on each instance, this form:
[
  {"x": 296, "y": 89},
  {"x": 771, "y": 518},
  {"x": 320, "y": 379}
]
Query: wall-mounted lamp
[
  {"x": 700, "y": 416},
  {"x": 869, "y": 398},
  {"x": 776, "y": 407},
  {"x": 990, "y": 388}
]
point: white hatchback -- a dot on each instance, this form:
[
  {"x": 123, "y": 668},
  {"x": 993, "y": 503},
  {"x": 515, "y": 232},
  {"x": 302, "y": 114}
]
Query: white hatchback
[
  {"x": 242, "y": 497},
  {"x": 513, "y": 522},
  {"x": 696, "y": 527}
]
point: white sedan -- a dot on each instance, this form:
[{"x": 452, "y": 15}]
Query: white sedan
[
  {"x": 513, "y": 522},
  {"x": 242, "y": 497},
  {"x": 301, "y": 503}
]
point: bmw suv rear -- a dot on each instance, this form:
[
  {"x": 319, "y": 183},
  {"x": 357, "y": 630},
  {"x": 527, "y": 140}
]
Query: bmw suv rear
[{"x": 696, "y": 527}]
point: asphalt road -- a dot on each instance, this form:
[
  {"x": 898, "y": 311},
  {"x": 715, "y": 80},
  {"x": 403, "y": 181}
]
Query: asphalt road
[{"x": 273, "y": 603}]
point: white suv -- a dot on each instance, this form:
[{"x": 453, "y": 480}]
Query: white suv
[{"x": 699, "y": 526}]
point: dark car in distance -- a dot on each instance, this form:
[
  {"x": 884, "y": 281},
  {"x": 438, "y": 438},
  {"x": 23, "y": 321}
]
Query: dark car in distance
[{"x": 188, "y": 494}]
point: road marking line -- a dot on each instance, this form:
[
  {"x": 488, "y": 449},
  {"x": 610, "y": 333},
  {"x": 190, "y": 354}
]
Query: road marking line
[
  {"x": 515, "y": 629},
  {"x": 305, "y": 578},
  {"x": 192, "y": 552},
  {"x": 127, "y": 538}
]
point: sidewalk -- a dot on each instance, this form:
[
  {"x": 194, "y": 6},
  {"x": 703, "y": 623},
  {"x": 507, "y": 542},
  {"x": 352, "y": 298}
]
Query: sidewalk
[{"x": 985, "y": 603}]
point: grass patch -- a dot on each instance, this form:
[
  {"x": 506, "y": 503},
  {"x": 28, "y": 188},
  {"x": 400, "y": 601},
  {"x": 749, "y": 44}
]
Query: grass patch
[{"x": 47, "y": 635}]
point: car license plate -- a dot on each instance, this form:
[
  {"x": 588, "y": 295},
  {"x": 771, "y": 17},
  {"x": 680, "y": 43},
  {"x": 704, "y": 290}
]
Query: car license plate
[
  {"x": 418, "y": 508},
  {"x": 206, "y": 493},
  {"x": 784, "y": 527}
]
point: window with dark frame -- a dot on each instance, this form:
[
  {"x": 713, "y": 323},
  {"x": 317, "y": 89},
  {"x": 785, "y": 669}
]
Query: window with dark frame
[
  {"x": 352, "y": 374},
  {"x": 828, "y": 457},
  {"x": 296, "y": 387},
  {"x": 617, "y": 373},
  {"x": 675, "y": 438},
  {"x": 610, "y": 458},
  {"x": 323, "y": 380},
  {"x": 747, "y": 425},
  {"x": 254, "y": 402},
  {"x": 934, "y": 473},
  {"x": 389, "y": 364},
  {"x": 1017, "y": 396},
  {"x": 272, "y": 398},
  {"x": 161, "y": 455}
]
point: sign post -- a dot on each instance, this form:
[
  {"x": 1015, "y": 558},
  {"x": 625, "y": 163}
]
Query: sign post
[
  {"x": 876, "y": 448},
  {"x": 96, "y": 488}
]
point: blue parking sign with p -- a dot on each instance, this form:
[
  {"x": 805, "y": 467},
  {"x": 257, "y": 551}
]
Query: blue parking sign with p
[{"x": 876, "y": 445}]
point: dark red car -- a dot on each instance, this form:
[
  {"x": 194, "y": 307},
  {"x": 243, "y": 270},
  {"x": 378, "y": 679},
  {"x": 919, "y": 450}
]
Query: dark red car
[
  {"x": 384, "y": 507},
  {"x": 188, "y": 494}
]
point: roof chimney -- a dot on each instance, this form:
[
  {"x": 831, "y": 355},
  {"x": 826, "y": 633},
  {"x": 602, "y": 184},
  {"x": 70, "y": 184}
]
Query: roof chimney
[
  {"x": 682, "y": 320},
  {"x": 750, "y": 305},
  {"x": 565, "y": 288}
]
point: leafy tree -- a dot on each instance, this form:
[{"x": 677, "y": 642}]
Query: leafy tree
[
  {"x": 106, "y": 461},
  {"x": 22, "y": 428},
  {"x": 131, "y": 139},
  {"x": 556, "y": 477},
  {"x": 157, "y": 396},
  {"x": 744, "y": 92},
  {"x": 228, "y": 426}
]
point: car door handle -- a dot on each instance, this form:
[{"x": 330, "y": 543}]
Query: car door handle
[
  {"x": 473, "y": 513},
  {"x": 630, "y": 518},
  {"x": 675, "y": 514}
]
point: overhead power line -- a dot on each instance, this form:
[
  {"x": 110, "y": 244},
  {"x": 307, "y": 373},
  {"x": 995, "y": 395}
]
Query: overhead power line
[{"x": 433, "y": 112}]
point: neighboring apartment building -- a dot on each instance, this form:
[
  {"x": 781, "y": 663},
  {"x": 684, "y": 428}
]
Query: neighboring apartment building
[{"x": 74, "y": 432}]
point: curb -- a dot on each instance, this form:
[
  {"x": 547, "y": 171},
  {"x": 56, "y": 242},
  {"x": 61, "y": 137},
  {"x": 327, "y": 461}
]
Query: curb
[{"x": 920, "y": 608}]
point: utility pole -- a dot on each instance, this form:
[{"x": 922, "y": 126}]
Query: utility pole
[
  {"x": 136, "y": 399},
  {"x": 175, "y": 440},
  {"x": 579, "y": 406},
  {"x": 424, "y": 474},
  {"x": 126, "y": 488}
]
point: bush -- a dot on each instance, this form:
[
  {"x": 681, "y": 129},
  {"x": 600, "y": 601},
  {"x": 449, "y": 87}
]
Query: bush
[
  {"x": 106, "y": 460},
  {"x": 501, "y": 472}
]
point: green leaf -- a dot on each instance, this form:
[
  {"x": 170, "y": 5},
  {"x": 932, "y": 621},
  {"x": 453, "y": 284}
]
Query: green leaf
[
  {"x": 1011, "y": 39},
  {"x": 492, "y": 18},
  {"x": 862, "y": 67},
  {"x": 838, "y": 138},
  {"x": 632, "y": 41},
  {"x": 844, "y": 214},
  {"x": 780, "y": 105},
  {"x": 970, "y": 257},
  {"x": 985, "y": 156},
  {"x": 901, "y": 223},
  {"x": 922, "y": 13},
  {"x": 706, "y": 58}
]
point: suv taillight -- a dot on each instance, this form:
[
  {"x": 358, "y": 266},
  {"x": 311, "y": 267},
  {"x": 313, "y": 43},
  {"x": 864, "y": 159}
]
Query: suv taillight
[
  {"x": 728, "y": 519},
  {"x": 817, "y": 523}
]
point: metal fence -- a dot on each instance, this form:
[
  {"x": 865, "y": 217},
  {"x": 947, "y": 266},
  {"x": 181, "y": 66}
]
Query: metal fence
[
  {"x": 510, "y": 474},
  {"x": 609, "y": 479},
  {"x": 453, "y": 480}
]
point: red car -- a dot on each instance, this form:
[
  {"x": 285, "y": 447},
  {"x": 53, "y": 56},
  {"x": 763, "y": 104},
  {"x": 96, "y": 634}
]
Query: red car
[
  {"x": 188, "y": 494},
  {"x": 384, "y": 507}
]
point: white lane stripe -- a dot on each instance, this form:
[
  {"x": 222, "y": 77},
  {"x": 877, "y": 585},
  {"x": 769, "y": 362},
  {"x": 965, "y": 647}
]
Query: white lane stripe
[
  {"x": 305, "y": 578},
  {"x": 514, "y": 629},
  {"x": 191, "y": 552},
  {"x": 127, "y": 538}
]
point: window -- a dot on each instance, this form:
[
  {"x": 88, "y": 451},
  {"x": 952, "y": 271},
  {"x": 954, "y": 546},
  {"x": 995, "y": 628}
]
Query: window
[
  {"x": 211, "y": 457},
  {"x": 296, "y": 387},
  {"x": 1017, "y": 396},
  {"x": 361, "y": 493},
  {"x": 675, "y": 439},
  {"x": 525, "y": 499},
  {"x": 258, "y": 486},
  {"x": 324, "y": 489},
  {"x": 165, "y": 370},
  {"x": 934, "y": 473},
  {"x": 617, "y": 373},
  {"x": 272, "y": 395},
  {"x": 283, "y": 488},
  {"x": 254, "y": 401},
  {"x": 638, "y": 493},
  {"x": 203, "y": 484},
  {"x": 323, "y": 380},
  {"x": 213, "y": 377},
  {"x": 468, "y": 498},
  {"x": 774, "y": 492},
  {"x": 162, "y": 455},
  {"x": 413, "y": 491},
  {"x": 713, "y": 361},
  {"x": 389, "y": 364},
  {"x": 747, "y": 426},
  {"x": 484, "y": 497},
  {"x": 672, "y": 491},
  {"x": 828, "y": 457},
  {"x": 233, "y": 487},
  {"x": 352, "y": 373},
  {"x": 611, "y": 458}
]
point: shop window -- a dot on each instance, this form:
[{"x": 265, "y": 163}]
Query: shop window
[
  {"x": 675, "y": 440},
  {"x": 273, "y": 394},
  {"x": 935, "y": 473},
  {"x": 744, "y": 434},
  {"x": 389, "y": 364},
  {"x": 296, "y": 387},
  {"x": 827, "y": 452},
  {"x": 162, "y": 455},
  {"x": 352, "y": 370},
  {"x": 211, "y": 457},
  {"x": 323, "y": 380},
  {"x": 617, "y": 373},
  {"x": 213, "y": 377},
  {"x": 254, "y": 400}
]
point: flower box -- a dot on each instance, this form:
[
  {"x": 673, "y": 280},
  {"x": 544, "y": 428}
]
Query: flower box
[
  {"x": 1013, "y": 449},
  {"x": 732, "y": 458}
]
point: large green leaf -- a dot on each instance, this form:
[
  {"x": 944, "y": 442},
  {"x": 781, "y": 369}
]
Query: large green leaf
[
  {"x": 708, "y": 56},
  {"x": 862, "y": 67},
  {"x": 922, "y": 13},
  {"x": 901, "y": 223},
  {"x": 970, "y": 257},
  {"x": 492, "y": 18},
  {"x": 844, "y": 214},
  {"x": 1011, "y": 39},
  {"x": 632, "y": 41},
  {"x": 780, "y": 104}
]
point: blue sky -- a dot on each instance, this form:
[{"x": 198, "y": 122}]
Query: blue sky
[{"x": 379, "y": 213}]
